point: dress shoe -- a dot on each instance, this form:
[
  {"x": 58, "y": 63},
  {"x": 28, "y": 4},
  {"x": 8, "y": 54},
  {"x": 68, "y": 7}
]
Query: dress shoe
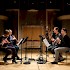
[
  {"x": 6, "y": 63},
  {"x": 14, "y": 62},
  {"x": 19, "y": 58},
  {"x": 54, "y": 62},
  {"x": 4, "y": 59},
  {"x": 61, "y": 60}
]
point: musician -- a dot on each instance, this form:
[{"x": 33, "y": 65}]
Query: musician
[
  {"x": 4, "y": 46},
  {"x": 55, "y": 35},
  {"x": 64, "y": 45},
  {"x": 13, "y": 41}
]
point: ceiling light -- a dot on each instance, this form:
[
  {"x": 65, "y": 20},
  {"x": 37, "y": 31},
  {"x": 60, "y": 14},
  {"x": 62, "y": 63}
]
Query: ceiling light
[
  {"x": 50, "y": 1},
  {"x": 14, "y": 1},
  {"x": 32, "y": 3},
  {"x": 68, "y": 3},
  {"x": 32, "y": 10},
  {"x": 2, "y": 17}
]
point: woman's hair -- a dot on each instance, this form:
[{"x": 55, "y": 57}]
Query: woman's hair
[{"x": 64, "y": 29}]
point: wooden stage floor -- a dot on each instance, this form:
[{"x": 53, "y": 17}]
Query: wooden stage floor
[{"x": 34, "y": 66}]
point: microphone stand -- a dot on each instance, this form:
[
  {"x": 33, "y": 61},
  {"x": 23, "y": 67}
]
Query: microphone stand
[{"x": 40, "y": 59}]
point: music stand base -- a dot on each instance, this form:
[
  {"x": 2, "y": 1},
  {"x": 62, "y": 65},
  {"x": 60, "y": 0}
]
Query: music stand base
[
  {"x": 32, "y": 59},
  {"x": 21, "y": 61},
  {"x": 26, "y": 62},
  {"x": 41, "y": 62}
]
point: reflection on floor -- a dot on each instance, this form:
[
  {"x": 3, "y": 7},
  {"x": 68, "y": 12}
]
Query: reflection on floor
[{"x": 34, "y": 66}]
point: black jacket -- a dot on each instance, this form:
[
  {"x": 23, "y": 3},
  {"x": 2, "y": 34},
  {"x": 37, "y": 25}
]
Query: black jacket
[{"x": 65, "y": 42}]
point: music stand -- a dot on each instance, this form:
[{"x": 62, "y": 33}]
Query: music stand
[
  {"x": 26, "y": 61},
  {"x": 40, "y": 59},
  {"x": 47, "y": 45},
  {"x": 22, "y": 40},
  {"x": 20, "y": 43}
]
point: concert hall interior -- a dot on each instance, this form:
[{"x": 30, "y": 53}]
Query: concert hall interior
[{"x": 33, "y": 21}]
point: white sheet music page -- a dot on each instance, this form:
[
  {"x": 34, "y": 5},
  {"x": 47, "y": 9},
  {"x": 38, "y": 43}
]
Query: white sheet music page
[
  {"x": 19, "y": 41},
  {"x": 46, "y": 42}
]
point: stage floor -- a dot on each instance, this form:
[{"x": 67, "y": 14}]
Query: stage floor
[{"x": 34, "y": 66}]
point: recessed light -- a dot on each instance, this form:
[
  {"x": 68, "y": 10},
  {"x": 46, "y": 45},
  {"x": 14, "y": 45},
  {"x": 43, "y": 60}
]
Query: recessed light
[
  {"x": 32, "y": 3},
  {"x": 50, "y": 1},
  {"x": 14, "y": 1},
  {"x": 68, "y": 4}
]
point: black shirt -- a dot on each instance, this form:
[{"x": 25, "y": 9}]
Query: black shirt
[
  {"x": 65, "y": 41},
  {"x": 1, "y": 39}
]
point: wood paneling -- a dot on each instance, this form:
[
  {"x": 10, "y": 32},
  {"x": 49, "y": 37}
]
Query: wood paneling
[{"x": 32, "y": 32}]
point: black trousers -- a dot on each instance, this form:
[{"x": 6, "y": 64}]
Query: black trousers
[
  {"x": 17, "y": 48},
  {"x": 8, "y": 51},
  {"x": 13, "y": 52}
]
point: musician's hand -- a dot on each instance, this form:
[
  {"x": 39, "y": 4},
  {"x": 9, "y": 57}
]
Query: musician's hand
[
  {"x": 52, "y": 39},
  {"x": 14, "y": 38},
  {"x": 3, "y": 42},
  {"x": 58, "y": 40}
]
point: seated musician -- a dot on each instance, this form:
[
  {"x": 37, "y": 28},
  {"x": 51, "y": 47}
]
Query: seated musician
[
  {"x": 4, "y": 43},
  {"x": 53, "y": 38},
  {"x": 64, "y": 45},
  {"x": 13, "y": 41}
]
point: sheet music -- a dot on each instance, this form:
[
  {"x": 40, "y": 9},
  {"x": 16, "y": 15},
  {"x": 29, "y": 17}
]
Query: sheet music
[
  {"x": 46, "y": 42},
  {"x": 19, "y": 42}
]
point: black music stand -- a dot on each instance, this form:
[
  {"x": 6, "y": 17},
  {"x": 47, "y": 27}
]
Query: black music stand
[
  {"x": 41, "y": 59},
  {"x": 26, "y": 61},
  {"x": 20, "y": 43},
  {"x": 23, "y": 40}
]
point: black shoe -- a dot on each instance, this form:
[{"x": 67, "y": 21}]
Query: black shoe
[
  {"x": 14, "y": 62},
  {"x": 54, "y": 62},
  {"x": 6, "y": 63},
  {"x": 19, "y": 58},
  {"x": 61, "y": 60},
  {"x": 4, "y": 59}
]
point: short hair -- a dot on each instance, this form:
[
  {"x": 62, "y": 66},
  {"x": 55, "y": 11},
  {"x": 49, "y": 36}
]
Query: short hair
[
  {"x": 6, "y": 31},
  {"x": 64, "y": 29},
  {"x": 56, "y": 28},
  {"x": 10, "y": 30}
]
